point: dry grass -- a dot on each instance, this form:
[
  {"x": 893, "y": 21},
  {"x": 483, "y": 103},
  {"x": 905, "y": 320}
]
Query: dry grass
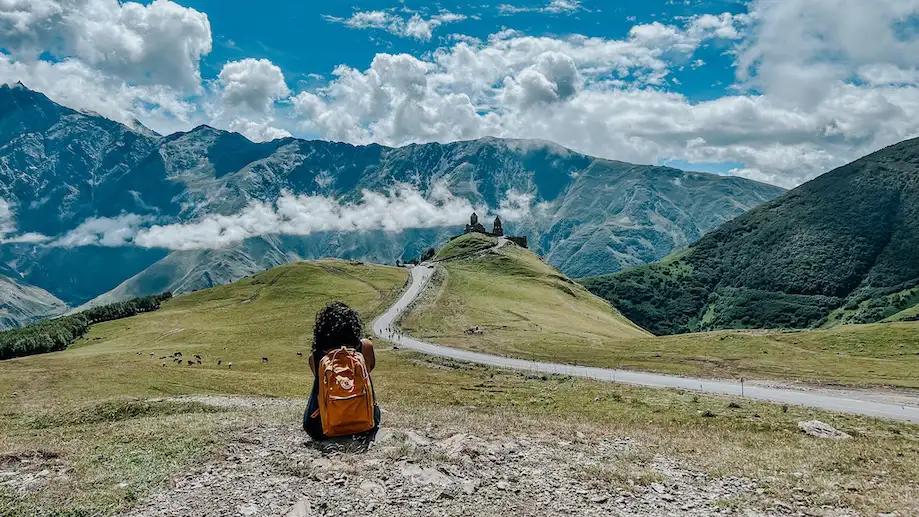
[
  {"x": 511, "y": 304},
  {"x": 94, "y": 410}
]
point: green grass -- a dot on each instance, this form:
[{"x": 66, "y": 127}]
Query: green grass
[
  {"x": 517, "y": 306},
  {"x": 466, "y": 245},
  {"x": 106, "y": 413},
  {"x": 510, "y": 302}
]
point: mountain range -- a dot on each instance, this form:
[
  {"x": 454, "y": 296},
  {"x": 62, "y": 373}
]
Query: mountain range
[
  {"x": 62, "y": 171},
  {"x": 841, "y": 248}
]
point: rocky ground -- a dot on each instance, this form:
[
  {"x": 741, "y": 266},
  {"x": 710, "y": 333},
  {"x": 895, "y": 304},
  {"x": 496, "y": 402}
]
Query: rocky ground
[{"x": 444, "y": 471}]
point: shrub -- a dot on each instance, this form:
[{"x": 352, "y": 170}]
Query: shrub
[{"x": 57, "y": 334}]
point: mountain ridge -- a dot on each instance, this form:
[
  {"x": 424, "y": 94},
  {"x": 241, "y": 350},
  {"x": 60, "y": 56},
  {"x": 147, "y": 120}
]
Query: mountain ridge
[
  {"x": 838, "y": 249},
  {"x": 61, "y": 168}
]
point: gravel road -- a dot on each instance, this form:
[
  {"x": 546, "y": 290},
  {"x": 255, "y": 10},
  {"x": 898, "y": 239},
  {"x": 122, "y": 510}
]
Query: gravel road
[{"x": 848, "y": 402}]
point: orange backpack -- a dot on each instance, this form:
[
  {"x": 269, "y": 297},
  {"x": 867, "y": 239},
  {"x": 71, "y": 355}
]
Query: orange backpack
[{"x": 345, "y": 393}]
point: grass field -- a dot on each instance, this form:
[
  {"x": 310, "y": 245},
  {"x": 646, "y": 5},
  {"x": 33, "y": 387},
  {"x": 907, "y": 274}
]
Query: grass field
[
  {"x": 102, "y": 417},
  {"x": 510, "y": 302},
  {"x": 517, "y": 306}
]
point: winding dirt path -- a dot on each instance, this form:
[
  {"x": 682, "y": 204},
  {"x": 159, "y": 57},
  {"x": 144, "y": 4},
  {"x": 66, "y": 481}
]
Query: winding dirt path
[{"x": 867, "y": 403}]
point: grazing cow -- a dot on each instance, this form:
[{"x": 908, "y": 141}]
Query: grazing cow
[
  {"x": 199, "y": 361},
  {"x": 164, "y": 357},
  {"x": 198, "y": 357},
  {"x": 230, "y": 366},
  {"x": 164, "y": 363},
  {"x": 299, "y": 354},
  {"x": 179, "y": 361},
  {"x": 177, "y": 354},
  {"x": 151, "y": 355},
  {"x": 219, "y": 362},
  {"x": 189, "y": 363},
  {"x": 264, "y": 359}
]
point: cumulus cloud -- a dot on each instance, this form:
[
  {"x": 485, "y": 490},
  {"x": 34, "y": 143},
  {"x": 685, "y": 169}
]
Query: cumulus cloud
[
  {"x": 252, "y": 83},
  {"x": 124, "y": 60},
  {"x": 400, "y": 208},
  {"x": 416, "y": 26},
  {"x": 160, "y": 43},
  {"x": 812, "y": 91}
]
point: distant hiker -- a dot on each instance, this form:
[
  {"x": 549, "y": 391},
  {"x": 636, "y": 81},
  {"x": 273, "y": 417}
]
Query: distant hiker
[{"x": 342, "y": 401}]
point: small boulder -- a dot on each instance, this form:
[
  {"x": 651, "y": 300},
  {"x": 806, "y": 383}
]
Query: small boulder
[
  {"x": 300, "y": 509},
  {"x": 818, "y": 429}
]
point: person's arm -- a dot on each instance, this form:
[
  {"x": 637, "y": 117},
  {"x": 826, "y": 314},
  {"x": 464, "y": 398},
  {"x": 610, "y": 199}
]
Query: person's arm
[
  {"x": 370, "y": 358},
  {"x": 313, "y": 364}
]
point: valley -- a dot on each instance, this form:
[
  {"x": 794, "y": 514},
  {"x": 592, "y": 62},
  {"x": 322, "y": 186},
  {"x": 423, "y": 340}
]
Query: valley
[
  {"x": 838, "y": 249},
  {"x": 80, "y": 187},
  {"x": 114, "y": 443},
  {"x": 507, "y": 302}
]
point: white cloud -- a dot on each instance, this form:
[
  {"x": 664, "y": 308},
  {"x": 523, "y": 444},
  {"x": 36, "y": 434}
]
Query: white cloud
[
  {"x": 816, "y": 99},
  {"x": 515, "y": 206},
  {"x": 554, "y": 7},
  {"x": 160, "y": 43},
  {"x": 252, "y": 83},
  {"x": 125, "y": 61},
  {"x": 403, "y": 207},
  {"x": 415, "y": 26},
  {"x": 103, "y": 231},
  {"x": 7, "y": 218},
  {"x": 8, "y": 227},
  {"x": 258, "y": 130}
]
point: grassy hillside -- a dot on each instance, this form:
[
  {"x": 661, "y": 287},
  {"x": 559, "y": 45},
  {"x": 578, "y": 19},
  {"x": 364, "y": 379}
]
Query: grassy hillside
[
  {"x": 465, "y": 246},
  {"x": 510, "y": 302},
  {"x": 838, "y": 249},
  {"x": 103, "y": 419}
]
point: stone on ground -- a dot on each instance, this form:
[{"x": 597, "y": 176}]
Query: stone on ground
[{"x": 818, "y": 429}]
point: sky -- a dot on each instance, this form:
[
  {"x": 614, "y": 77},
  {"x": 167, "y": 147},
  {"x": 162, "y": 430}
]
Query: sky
[{"x": 778, "y": 91}]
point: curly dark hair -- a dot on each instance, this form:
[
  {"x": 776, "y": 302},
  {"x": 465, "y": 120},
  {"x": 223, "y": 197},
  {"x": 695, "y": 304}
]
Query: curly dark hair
[{"x": 337, "y": 325}]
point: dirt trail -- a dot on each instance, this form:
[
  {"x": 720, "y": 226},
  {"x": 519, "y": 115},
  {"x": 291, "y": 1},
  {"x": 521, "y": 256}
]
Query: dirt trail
[{"x": 868, "y": 403}]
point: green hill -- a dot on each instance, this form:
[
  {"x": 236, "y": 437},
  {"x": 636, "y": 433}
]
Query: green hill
[
  {"x": 465, "y": 246},
  {"x": 838, "y": 249},
  {"x": 508, "y": 301},
  {"x": 102, "y": 426}
]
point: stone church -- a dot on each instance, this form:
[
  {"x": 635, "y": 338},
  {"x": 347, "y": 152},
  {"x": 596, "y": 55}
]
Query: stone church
[{"x": 497, "y": 230}]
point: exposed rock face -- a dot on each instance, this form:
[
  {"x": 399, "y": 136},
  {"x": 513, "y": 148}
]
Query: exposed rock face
[
  {"x": 23, "y": 304},
  {"x": 59, "y": 167}
]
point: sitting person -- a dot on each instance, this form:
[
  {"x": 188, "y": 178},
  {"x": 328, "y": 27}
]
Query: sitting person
[{"x": 342, "y": 401}]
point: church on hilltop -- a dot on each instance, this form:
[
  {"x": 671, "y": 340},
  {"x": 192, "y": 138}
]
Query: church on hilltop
[{"x": 497, "y": 230}]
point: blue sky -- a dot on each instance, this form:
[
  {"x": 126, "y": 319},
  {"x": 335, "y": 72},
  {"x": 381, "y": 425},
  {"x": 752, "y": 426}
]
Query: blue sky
[
  {"x": 297, "y": 37},
  {"x": 777, "y": 91}
]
